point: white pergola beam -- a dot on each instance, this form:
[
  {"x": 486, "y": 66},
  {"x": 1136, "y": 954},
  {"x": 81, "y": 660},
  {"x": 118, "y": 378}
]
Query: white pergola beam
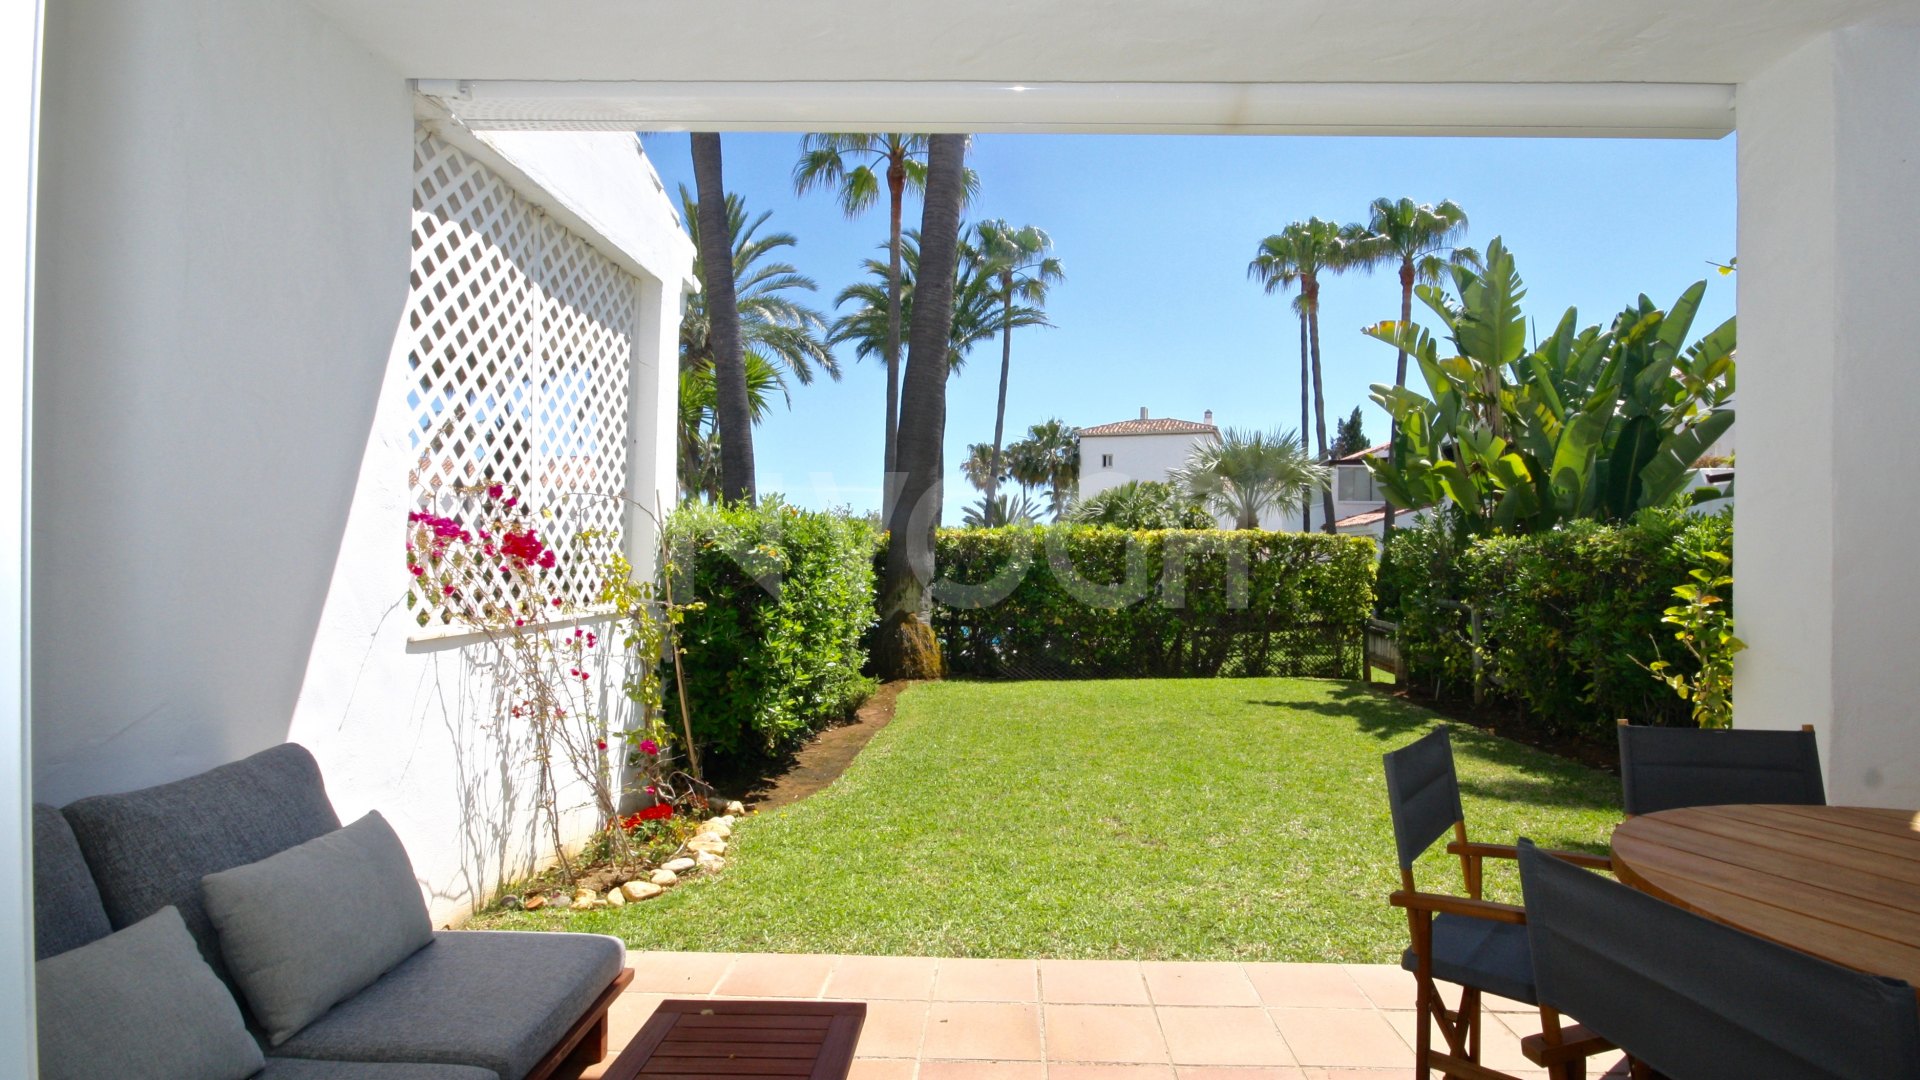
[{"x": 1581, "y": 110}]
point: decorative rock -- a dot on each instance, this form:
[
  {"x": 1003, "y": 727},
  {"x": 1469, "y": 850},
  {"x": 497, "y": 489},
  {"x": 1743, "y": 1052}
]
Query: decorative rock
[
  {"x": 562, "y": 902},
  {"x": 534, "y": 903},
  {"x": 641, "y": 890},
  {"x": 598, "y": 904},
  {"x": 616, "y": 898},
  {"x": 510, "y": 903},
  {"x": 585, "y": 895},
  {"x": 664, "y": 877},
  {"x": 719, "y": 827},
  {"x": 680, "y": 865},
  {"x": 711, "y": 863},
  {"x": 708, "y": 843},
  {"x": 734, "y": 809}
]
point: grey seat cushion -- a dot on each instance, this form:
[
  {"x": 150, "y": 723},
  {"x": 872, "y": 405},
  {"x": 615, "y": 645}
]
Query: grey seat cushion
[
  {"x": 496, "y": 999},
  {"x": 310, "y": 927},
  {"x": 1479, "y": 952},
  {"x": 303, "y": 1069},
  {"x": 148, "y": 849},
  {"x": 140, "y": 1004},
  {"x": 67, "y": 912}
]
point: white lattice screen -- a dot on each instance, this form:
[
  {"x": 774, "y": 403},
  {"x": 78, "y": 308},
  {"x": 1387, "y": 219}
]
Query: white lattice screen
[{"x": 522, "y": 352}]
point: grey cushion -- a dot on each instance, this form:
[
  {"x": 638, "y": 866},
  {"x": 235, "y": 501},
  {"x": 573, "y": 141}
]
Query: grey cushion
[
  {"x": 303, "y": 1069},
  {"x": 149, "y": 849},
  {"x": 308, "y": 928},
  {"x": 66, "y": 903},
  {"x": 1481, "y": 953},
  {"x": 496, "y": 999},
  {"x": 140, "y": 1003}
]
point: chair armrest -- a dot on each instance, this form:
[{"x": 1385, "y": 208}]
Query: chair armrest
[
  {"x": 1442, "y": 904},
  {"x": 1576, "y": 1043},
  {"x": 1508, "y": 851}
]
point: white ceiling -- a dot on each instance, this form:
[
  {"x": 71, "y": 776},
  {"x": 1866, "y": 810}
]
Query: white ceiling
[{"x": 1211, "y": 41}]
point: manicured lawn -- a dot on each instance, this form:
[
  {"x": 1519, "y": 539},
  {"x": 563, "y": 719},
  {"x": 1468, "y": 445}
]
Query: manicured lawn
[{"x": 1207, "y": 819}]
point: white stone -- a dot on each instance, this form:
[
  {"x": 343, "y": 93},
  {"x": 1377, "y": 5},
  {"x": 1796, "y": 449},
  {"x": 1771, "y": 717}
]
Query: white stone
[
  {"x": 616, "y": 898},
  {"x": 680, "y": 865},
  {"x": 641, "y": 890},
  {"x": 707, "y": 842},
  {"x": 711, "y": 863},
  {"x": 734, "y": 809},
  {"x": 719, "y": 827},
  {"x": 664, "y": 876}
]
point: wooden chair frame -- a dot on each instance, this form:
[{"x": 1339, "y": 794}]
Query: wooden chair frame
[{"x": 1562, "y": 1051}]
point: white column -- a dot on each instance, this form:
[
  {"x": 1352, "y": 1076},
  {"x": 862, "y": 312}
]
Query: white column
[
  {"x": 21, "y": 30},
  {"x": 1827, "y": 593}
]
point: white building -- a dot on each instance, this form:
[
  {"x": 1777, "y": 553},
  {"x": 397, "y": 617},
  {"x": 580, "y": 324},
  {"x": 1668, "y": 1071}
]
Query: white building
[
  {"x": 1359, "y": 509},
  {"x": 1151, "y": 448}
]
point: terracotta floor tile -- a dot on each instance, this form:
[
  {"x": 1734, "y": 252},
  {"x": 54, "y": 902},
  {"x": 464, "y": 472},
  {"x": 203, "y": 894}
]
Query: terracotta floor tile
[
  {"x": 1217, "y": 1036},
  {"x": 882, "y": 1069},
  {"x": 775, "y": 975},
  {"x": 972, "y": 1030},
  {"x": 892, "y": 1029},
  {"x": 1499, "y": 1045},
  {"x": 1507, "y": 1005},
  {"x": 871, "y": 978},
  {"x": 1243, "y": 1072},
  {"x": 685, "y": 974},
  {"x": 1387, "y": 986},
  {"x": 1103, "y": 1033},
  {"x": 1066, "y": 1070},
  {"x": 1306, "y": 986},
  {"x": 986, "y": 980},
  {"x": 1520, "y": 1025},
  {"x": 1344, "y": 1037},
  {"x": 1180, "y": 983},
  {"x": 1092, "y": 982},
  {"x": 982, "y": 1070}
]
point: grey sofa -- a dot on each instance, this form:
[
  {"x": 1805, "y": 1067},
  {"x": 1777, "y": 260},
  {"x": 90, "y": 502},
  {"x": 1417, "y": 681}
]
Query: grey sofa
[{"x": 473, "y": 1005}]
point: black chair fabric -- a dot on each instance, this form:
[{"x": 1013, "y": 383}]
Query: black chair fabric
[
  {"x": 1481, "y": 953},
  {"x": 1668, "y": 768},
  {"x": 1423, "y": 793},
  {"x": 1700, "y": 1001}
]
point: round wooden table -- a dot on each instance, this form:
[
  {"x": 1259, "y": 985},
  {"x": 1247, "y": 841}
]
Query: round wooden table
[{"x": 1839, "y": 882}]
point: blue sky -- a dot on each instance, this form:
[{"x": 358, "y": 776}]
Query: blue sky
[{"x": 1155, "y": 233}]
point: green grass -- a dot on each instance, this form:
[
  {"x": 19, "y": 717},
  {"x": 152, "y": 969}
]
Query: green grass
[{"x": 1206, "y": 819}]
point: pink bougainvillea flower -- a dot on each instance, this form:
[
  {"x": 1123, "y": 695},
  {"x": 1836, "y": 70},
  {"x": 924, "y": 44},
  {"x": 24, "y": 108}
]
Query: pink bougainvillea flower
[
  {"x": 494, "y": 491},
  {"x": 651, "y": 790},
  {"x": 417, "y": 569},
  {"x": 557, "y": 602},
  {"x": 547, "y": 559},
  {"x": 590, "y": 640},
  {"x": 515, "y": 501},
  {"x": 519, "y": 622},
  {"x": 523, "y": 547},
  {"x": 601, "y": 743},
  {"x": 649, "y": 748},
  {"x": 446, "y": 590}
]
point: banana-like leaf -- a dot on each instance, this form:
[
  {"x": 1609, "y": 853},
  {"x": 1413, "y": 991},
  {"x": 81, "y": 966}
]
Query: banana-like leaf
[
  {"x": 1666, "y": 475},
  {"x": 1679, "y": 319}
]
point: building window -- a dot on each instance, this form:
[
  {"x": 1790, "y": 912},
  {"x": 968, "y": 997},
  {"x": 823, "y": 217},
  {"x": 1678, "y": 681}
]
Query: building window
[
  {"x": 1106, "y": 461},
  {"x": 1356, "y": 485},
  {"x": 520, "y": 365}
]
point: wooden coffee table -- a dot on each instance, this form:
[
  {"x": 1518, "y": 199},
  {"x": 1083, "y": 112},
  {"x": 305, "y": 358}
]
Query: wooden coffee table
[{"x": 722, "y": 1038}]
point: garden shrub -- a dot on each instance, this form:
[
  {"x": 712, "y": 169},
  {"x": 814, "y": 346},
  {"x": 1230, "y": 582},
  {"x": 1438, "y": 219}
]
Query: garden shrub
[
  {"x": 1087, "y": 600},
  {"x": 1571, "y": 617},
  {"x": 774, "y": 647}
]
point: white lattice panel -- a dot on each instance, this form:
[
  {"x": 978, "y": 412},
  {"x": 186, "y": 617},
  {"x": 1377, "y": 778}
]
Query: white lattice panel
[{"x": 522, "y": 350}]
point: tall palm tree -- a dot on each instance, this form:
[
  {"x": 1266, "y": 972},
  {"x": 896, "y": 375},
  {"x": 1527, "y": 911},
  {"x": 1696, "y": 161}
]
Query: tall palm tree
[
  {"x": 853, "y": 164},
  {"x": 1301, "y": 253},
  {"x": 1242, "y": 473},
  {"x": 699, "y": 443},
  {"x": 905, "y": 646},
  {"x": 1420, "y": 240},
  {"x": 785, "y": 334},
  {"x": 1048, "y": 457},
  {"x": 1275, "y": 268},
  {"x": 1019, "y": 261},
  {"x": 978, "y": 466},
  {"x": 977, "y": 313},
  {"x": 733, "y": 414}
]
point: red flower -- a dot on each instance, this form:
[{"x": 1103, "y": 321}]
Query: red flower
[
  {"x": 601, "y": 743},
  {"x": 656, "y": 812},
  {"x": 649, "y": 748},
  {"x": 417, "y": 569},
  {"x": 494, "y": 491},
  {"x": 524, "y": 547}
]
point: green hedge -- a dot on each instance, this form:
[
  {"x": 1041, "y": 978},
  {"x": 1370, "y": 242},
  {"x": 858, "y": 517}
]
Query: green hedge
[
  {"x": 776, "y": 650},
  {"x": 1086, "y": 600},
  {"x": 1569, "y": 615}
]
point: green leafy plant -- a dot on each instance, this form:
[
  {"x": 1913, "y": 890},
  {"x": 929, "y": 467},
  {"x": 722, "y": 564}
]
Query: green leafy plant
[
  {"x": 1585, "y": 424},
  {"x": 1706, "y": 633},
  {"x": 1140, "y": 504}
]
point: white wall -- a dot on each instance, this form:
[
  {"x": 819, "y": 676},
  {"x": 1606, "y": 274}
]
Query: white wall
[
  {"x": 223, "y": 265},
  {"x": 1135, "y": 457},
  {"x": 1827, "y": 599}
]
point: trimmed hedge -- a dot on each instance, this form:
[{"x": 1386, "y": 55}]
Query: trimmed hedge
[
  {"x": 1569, "y": 615},
  {"x": 1086, "y": 600},
  {"x": 777, "y": 647}
]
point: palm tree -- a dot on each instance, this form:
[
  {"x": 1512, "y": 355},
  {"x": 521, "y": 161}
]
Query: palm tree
[
  {"x": 1275, "y": 267},
  {"x": 1141, "y": 504},
  {"x": 1301, "y": 253},
  {"x": 1418, "y": 239},
  {"x": 1048, "y": 457},
  {"x": 733, "y": 414},
  {"x": 904, "y": 645},
  {"x": 1008, "y": 508},
  {"x": 1243, "y": 473},
  {"x": 847, "y": 163},
  {"x": 789, "y": 337},
  {"x": 978, "y": 466},
  {"x": 699, "y": 443},
  {"x": 977, "y": 312},
  {"x": 1018, "y": 259}
]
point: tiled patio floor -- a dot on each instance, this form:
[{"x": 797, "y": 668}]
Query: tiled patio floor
[{"x": 933, "y": 1019}]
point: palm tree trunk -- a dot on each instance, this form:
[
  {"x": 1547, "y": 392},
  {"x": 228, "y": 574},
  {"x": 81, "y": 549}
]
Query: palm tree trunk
[
  {"x": 1006, "y": 363},
  {"x": 1319, "y": 403},
  {"x": 905, "y": 646},
  {"x": 896, "y": 188},
  {"x": 733, "y": 414},
  {"x": 1306, "y": 385},
  {"x": 1399, "y": 377}
]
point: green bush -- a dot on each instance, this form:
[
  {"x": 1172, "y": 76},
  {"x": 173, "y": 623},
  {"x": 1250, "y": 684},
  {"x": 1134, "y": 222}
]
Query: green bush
[
  {"x": 775, "y": 649},
  {"x": 1084, "y": 600},
  {"x": 1570, "y": 617}
]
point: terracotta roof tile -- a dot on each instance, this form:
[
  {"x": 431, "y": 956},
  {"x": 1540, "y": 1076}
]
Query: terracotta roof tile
[{"x": 1152, "y": 426}]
